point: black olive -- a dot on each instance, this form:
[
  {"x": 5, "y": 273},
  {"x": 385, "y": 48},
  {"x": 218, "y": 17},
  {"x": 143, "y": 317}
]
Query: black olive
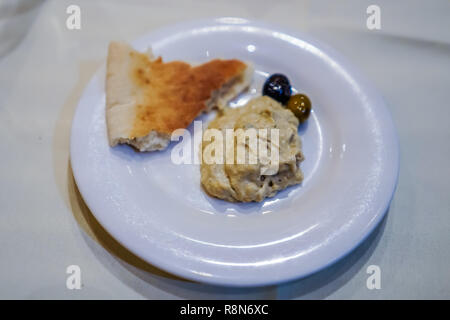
[
  {"x": 277, "y": 87},
  {"x": 300, "y": 105}
]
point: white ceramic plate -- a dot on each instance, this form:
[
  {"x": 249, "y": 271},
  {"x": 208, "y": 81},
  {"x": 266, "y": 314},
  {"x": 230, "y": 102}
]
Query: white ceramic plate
[{"x": 158, "y": 210}]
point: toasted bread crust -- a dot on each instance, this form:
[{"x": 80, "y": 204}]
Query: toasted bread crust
[
  {"x": 145, "y": 95},
  {"x": 171, "y": 95}
]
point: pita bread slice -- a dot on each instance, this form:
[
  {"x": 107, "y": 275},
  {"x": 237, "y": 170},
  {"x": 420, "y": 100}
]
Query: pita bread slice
[{"x": 147, "y": 99}]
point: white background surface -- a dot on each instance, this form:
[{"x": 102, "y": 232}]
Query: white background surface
[{"x": 45, "y": 226}]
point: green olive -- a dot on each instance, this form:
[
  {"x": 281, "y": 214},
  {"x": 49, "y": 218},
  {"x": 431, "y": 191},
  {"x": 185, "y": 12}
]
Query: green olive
[{"x": 300, "y": 105}]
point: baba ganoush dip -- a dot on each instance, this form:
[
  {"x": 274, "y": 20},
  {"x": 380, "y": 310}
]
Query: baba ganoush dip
[{"x": 246, "y": 182}]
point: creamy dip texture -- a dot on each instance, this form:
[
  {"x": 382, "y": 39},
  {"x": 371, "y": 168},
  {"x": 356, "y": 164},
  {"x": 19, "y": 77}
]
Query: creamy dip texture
[{"x": 249, "y": 182}]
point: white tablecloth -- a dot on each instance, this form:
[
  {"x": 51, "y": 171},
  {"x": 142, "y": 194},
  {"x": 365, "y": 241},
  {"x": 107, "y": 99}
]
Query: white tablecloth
[{"x": 45, "y": 226}]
